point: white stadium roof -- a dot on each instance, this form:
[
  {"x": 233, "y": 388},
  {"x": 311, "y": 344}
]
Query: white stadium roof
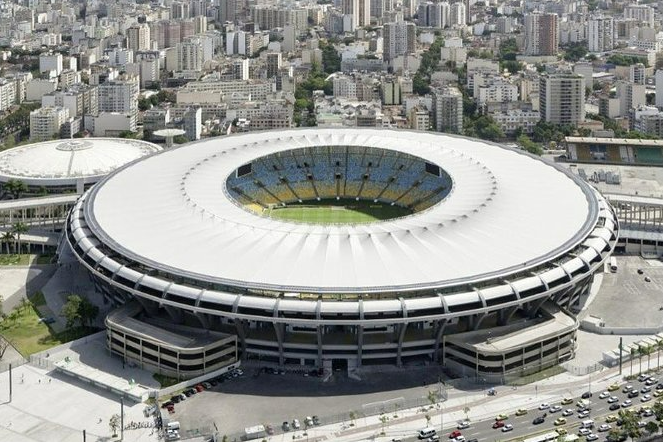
[
  {"x": 506, "y": 211},
  {"x": 62, "y": 162}
]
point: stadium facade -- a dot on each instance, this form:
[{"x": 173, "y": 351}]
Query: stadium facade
[{"x": 483, "y": 274}]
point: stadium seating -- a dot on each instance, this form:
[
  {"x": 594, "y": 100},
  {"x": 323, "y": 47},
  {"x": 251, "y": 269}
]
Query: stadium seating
[{"x": 339, "y": 171}]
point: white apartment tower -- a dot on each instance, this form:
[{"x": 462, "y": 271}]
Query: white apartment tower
[
  {"x": 457, "y": 14},
  {"x": 601, "y": 34},
  {"x": 45, "y": 122},
  {"x": 562, "y": 98},
  {"x": 138, "y": 37},
  {"x": 399, "y": 38},
  {"x": 447, "y": 110},
  {"x": 360, "y": 10}
]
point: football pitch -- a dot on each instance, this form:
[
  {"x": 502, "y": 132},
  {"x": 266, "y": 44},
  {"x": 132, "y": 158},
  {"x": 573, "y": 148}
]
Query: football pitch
[{"x": 337, "y": 212}]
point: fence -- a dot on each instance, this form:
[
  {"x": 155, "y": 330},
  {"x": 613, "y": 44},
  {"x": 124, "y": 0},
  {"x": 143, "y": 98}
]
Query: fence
[
  {"x": 4, "y": 365},
  {"x": 584, "y": 369}
]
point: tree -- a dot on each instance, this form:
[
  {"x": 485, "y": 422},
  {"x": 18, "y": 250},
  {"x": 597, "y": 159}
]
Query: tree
[
  {"x": 4, "y": 345},
  {"x": 88, "y": 312},
  {"x": 15, "y": 187},
  {"x": 71, "y": 310},
  {"x": 114, "y": 424},
  {"x": 651, "y": 427},
  {"x": 529, "y": 145},
  {"x": 432, "y": 397},
  {"x": 659, "y": 347},
  {"x": 7, "y": 237},
  {"x": 633, "y": 352},
  {"x": 646, "y": 350},
  {"x": 641, "y": 353},
  {"x": 19, "y": 229},
  {"x": 79, "y": 310},
  {"x": 353, "y": 417}
]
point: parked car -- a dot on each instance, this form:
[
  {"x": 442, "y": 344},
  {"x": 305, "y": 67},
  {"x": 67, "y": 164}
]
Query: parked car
[
  {"x": 560, "y": 421},
  {"x": 544, "y": 406},
  {"x": 285, "y": 426},
  {"x": 454, "y": 434},
  {"x": 296, "y": 425},
  {"x": 605, "y": 427},
  {"x": 591, "y": 437},
  {"x": 604, "y": 395},
  {"x": 521, "y": 412},
  {"x": 614, "y": 407},
  {"x": 586, "y": 395},
  {"x": 555, "y": 408},
  {"x": 463, "y": 424},
  {"x": 539, "y": 420},
  {"x": 498, "y": 424},
  {"x": 613, "y": 399},
  {"x": 567, "y": 412}
]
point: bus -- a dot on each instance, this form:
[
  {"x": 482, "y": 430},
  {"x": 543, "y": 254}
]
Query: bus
[{"x": 613, "y": 264}]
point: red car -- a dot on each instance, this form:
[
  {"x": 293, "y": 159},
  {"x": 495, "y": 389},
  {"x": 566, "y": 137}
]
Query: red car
[
  {"x": 498, "y": 424},
  {"x": 199, "y": 388},
  {"x": 454, "y": 434}
]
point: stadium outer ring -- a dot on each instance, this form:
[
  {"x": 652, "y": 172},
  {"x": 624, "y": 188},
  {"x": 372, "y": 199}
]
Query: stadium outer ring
[{"x": 589, "y": 250}]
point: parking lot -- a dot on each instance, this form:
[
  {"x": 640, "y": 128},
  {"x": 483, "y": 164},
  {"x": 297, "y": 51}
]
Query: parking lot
[
  {"x": 626, "y": 299},
  {"x": 258, "y": 398}
]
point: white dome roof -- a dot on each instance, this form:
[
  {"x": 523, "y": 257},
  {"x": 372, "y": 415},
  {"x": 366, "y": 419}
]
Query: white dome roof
[{"x": 63, "y": 162}]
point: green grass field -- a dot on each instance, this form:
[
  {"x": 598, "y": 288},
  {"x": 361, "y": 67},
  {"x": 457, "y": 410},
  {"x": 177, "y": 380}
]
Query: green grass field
[{"x": 337, "y": 212}]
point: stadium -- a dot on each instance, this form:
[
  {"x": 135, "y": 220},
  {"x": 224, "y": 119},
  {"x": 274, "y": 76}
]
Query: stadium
[
  {"x": 341, "y": 248},
  {"x": 68, "y": 166}
]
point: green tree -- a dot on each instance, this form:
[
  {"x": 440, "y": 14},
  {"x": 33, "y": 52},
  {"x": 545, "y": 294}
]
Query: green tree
[
  {"x": 15, "y": 187},
  {"x": 331, "y": 60},
  {"x": 633, "y": 352},
  {"x": 114, "y": 424},
  {"x": 575, "y": 51},
  {"x": 78, "y": 310},
  {"x": 19, "y": 229},
  {"x": 646, "y": 350},
  {"x": 651, "y": 427},
  {"x": 659, "y": 347},
  {"x": 71, "y": 310},
  {"x": 7, "y": 238}
]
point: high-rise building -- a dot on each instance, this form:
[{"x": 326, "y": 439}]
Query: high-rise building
[
  {"x": 193, "y": 122},
  {"x": 399, "y": 39},
  {"x": 601, "y": 34},
  {"x": 45, "y": 122},
  {"x": 457, "y": 14},
  {"x": 641, "y": 13},
  {"x": 360, "y": 10},
  {"x": 7, "y": 94},
  {"x": 659, "y": 88},
  {"x": 637, "y": 73},
  {"x": 562, "y": 98},
  {"x": 434, "y": 15},
  {"x": 190, "y": 55},
  {"x": 379, "y": 7},
  {"x": 49, "y": 62},
  {"x": 138, "y": 37},
  {"x": 630, "y": 96},
  {"x": 241, "y": 69},
  {"x": 119, "y": 96},
  {"x": 227, "y": 11},
  {"x": 273, "y": 63},
  {"x": 447, "y": 110},
  {"x": 541, "y": 34}
]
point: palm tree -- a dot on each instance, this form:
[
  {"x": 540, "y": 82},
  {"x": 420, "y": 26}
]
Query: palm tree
[
  {"x": 659, "y": 346},
  {"x": 18, "y": 229},
  {"x": 641, "y": 353},
  {"x": 646, "y": 350},
  {"x": 9, "y": 237},
  {"x": 633, "y": 353}
]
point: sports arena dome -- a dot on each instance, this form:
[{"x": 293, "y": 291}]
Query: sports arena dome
[
  {"x": 478, "y": 242},
  {"x": 62, "y": 165}
]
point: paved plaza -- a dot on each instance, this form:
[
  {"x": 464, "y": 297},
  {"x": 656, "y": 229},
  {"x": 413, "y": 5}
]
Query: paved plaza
[{"x": 626, "y": 299}]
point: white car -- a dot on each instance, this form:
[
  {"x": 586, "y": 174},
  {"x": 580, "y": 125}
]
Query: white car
[
  {"x": 584, "y": 431},
  {"x": 295, "y": 424},
  {"x": 648, "y": 412},
  {"x": 591, "y": 436},
  {"x": 613, "y": 399},
  {"x": 507, "y": 427},
  {"x": 463, "y": 424},
  {"x": 544, "y": 406},
  {"x": 627, "y": 403},
  {"x": 605, "y": 427},
  {"x": 642, "y": 424},
  {"x": 604, "y": 395},
  {"x": 567, "y": 412},
  {"x": 583, "y": 413},
  {"x": 460, "y": 438},
  {"x": 555, "y": 408},
  {"x": 645, "y": 398}
]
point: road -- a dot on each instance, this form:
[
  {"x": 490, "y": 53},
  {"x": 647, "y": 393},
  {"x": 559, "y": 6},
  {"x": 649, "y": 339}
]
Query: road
[{"x": 523, "y": 425}]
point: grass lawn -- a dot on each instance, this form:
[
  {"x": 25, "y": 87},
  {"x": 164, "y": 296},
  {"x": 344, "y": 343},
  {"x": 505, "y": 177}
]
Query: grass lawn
[
  {"x": 24, "y": 259},
  {"x": 337, "y": 212},
  {"x": 30, "y": 336},
  {"x": 164, "y": 380}
]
